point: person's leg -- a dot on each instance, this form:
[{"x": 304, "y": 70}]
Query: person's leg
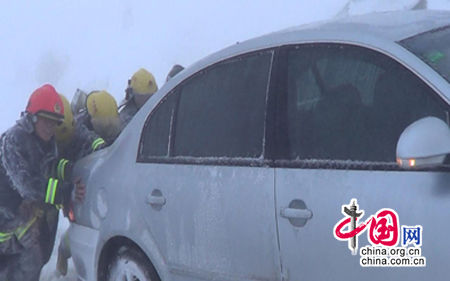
[
  {"x": 5, "y": 264},
  {"x": 30, "y": 260},
  {"x": 49, "y": 225},
  {"x": 9, "y": 256},
  {"x": 28, "y": 265},
  {"x": 63, "y": 254}
]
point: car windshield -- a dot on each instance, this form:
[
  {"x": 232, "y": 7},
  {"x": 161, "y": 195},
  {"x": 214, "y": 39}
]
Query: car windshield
[{"x": 433, "y": 47}]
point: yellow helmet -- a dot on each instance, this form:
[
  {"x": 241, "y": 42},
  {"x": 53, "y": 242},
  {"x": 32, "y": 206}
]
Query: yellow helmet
[
  {"x": 143, "y": 83},
  {"x": 64, "y": 131},
  {"x": 102, "y": 108},
  {"x": 101, "y": 104}
]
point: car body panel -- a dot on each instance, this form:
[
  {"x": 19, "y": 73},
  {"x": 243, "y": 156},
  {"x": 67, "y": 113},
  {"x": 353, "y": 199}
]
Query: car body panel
[
  {"x": 84, "y": 243},
  {"x": 195, "y": 236},
  {"x": 419, "y": 198},
  {"x": 109, "y": 209},
  {"x": 210, "y": 205}
]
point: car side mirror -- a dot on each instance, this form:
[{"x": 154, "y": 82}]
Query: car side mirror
[{"x": 424, "y": 143}]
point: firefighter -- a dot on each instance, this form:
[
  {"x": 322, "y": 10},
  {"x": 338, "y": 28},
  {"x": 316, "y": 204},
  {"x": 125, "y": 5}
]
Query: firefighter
[
  {"x": 176, "y": 68},
  {"x": 141, "y": 87},
  {"x": 31, "y": 187},
  {"x": 65, "y": 131},
  {"x": 95, "y": 127},
  {"x": 100, "y": 116}
]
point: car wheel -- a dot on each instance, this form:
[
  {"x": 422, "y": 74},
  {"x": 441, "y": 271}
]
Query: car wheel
[{"x": 131, "y": 265}]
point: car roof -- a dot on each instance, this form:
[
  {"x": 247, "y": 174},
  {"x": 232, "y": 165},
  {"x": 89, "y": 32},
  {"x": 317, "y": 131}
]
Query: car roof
[
  {"x": 393, "y": 25},
  {"x": 375, "y": 29}
]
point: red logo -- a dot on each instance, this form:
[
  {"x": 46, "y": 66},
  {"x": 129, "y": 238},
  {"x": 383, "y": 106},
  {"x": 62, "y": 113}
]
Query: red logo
[
  {"x": 383, "y": 227},
  {"x": 57, "y": 108}
]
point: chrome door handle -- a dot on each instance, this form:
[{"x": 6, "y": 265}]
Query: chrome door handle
[
  {"x": 291, "y": 213},
  {"x": 297, "y": 213},
  {"x": 156, "y": 200}
]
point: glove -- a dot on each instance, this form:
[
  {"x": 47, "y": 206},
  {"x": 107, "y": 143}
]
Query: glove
[
  {"x": 67, "y": 193},
  {"x": 73, "y": 192},
  {"x": 79, "y": 191}
]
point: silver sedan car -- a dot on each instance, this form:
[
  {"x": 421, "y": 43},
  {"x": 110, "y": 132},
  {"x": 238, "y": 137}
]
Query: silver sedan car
[{"x": 312, "y": 153}]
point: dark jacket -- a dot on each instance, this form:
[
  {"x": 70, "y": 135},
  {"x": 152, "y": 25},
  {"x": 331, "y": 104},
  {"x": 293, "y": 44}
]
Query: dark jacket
[
  {"x": 129, "y": 109},
  {"x": 27, "y": 174},
  {"x": 85, "y": 140}
]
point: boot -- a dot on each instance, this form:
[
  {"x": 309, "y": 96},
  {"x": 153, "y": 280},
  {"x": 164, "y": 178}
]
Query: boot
[{"x": 61, "y": 264}]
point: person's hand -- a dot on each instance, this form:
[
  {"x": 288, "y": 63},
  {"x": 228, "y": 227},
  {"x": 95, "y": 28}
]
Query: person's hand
[{"x": 79, "y": 191}]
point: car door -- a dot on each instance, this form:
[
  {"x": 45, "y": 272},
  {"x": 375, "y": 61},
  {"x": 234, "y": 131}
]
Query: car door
[
  {"x": 210, "y": 193},
  {"x": 343, "y": 108}
]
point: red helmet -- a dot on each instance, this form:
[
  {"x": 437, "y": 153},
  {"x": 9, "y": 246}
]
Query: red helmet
[{"x": 46, "y": 102}]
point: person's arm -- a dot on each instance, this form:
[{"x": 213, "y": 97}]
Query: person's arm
[
  {"x": 86, "y": 141},
  {"x": 27, "y": 177}
]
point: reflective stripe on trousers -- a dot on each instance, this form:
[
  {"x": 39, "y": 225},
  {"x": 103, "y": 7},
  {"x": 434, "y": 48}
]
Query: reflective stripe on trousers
[{"x": 19, "y": 232}]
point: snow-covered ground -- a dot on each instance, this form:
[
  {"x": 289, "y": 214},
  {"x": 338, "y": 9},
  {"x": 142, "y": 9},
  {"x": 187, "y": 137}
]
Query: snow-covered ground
[
  {"x": 98, "y": 44},
  {"x": 49, "y": 272}
]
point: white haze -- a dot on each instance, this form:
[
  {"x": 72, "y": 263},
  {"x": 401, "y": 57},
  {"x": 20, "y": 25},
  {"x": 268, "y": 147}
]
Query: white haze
[
  {"x": 99, "y": 44},
  {"x": 94, "y": 44}
]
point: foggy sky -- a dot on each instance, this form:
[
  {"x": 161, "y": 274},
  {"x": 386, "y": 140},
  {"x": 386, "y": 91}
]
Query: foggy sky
[{"x": 95, "y": 45}]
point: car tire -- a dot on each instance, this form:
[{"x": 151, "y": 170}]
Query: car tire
[{"x": 131, "y": 265}]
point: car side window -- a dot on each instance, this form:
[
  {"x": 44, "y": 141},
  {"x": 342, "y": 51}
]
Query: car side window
[
  {"x": 221, "y": 111},
  {"x": 157, "y": 128},
  {"x": 347, "y": 102}
]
